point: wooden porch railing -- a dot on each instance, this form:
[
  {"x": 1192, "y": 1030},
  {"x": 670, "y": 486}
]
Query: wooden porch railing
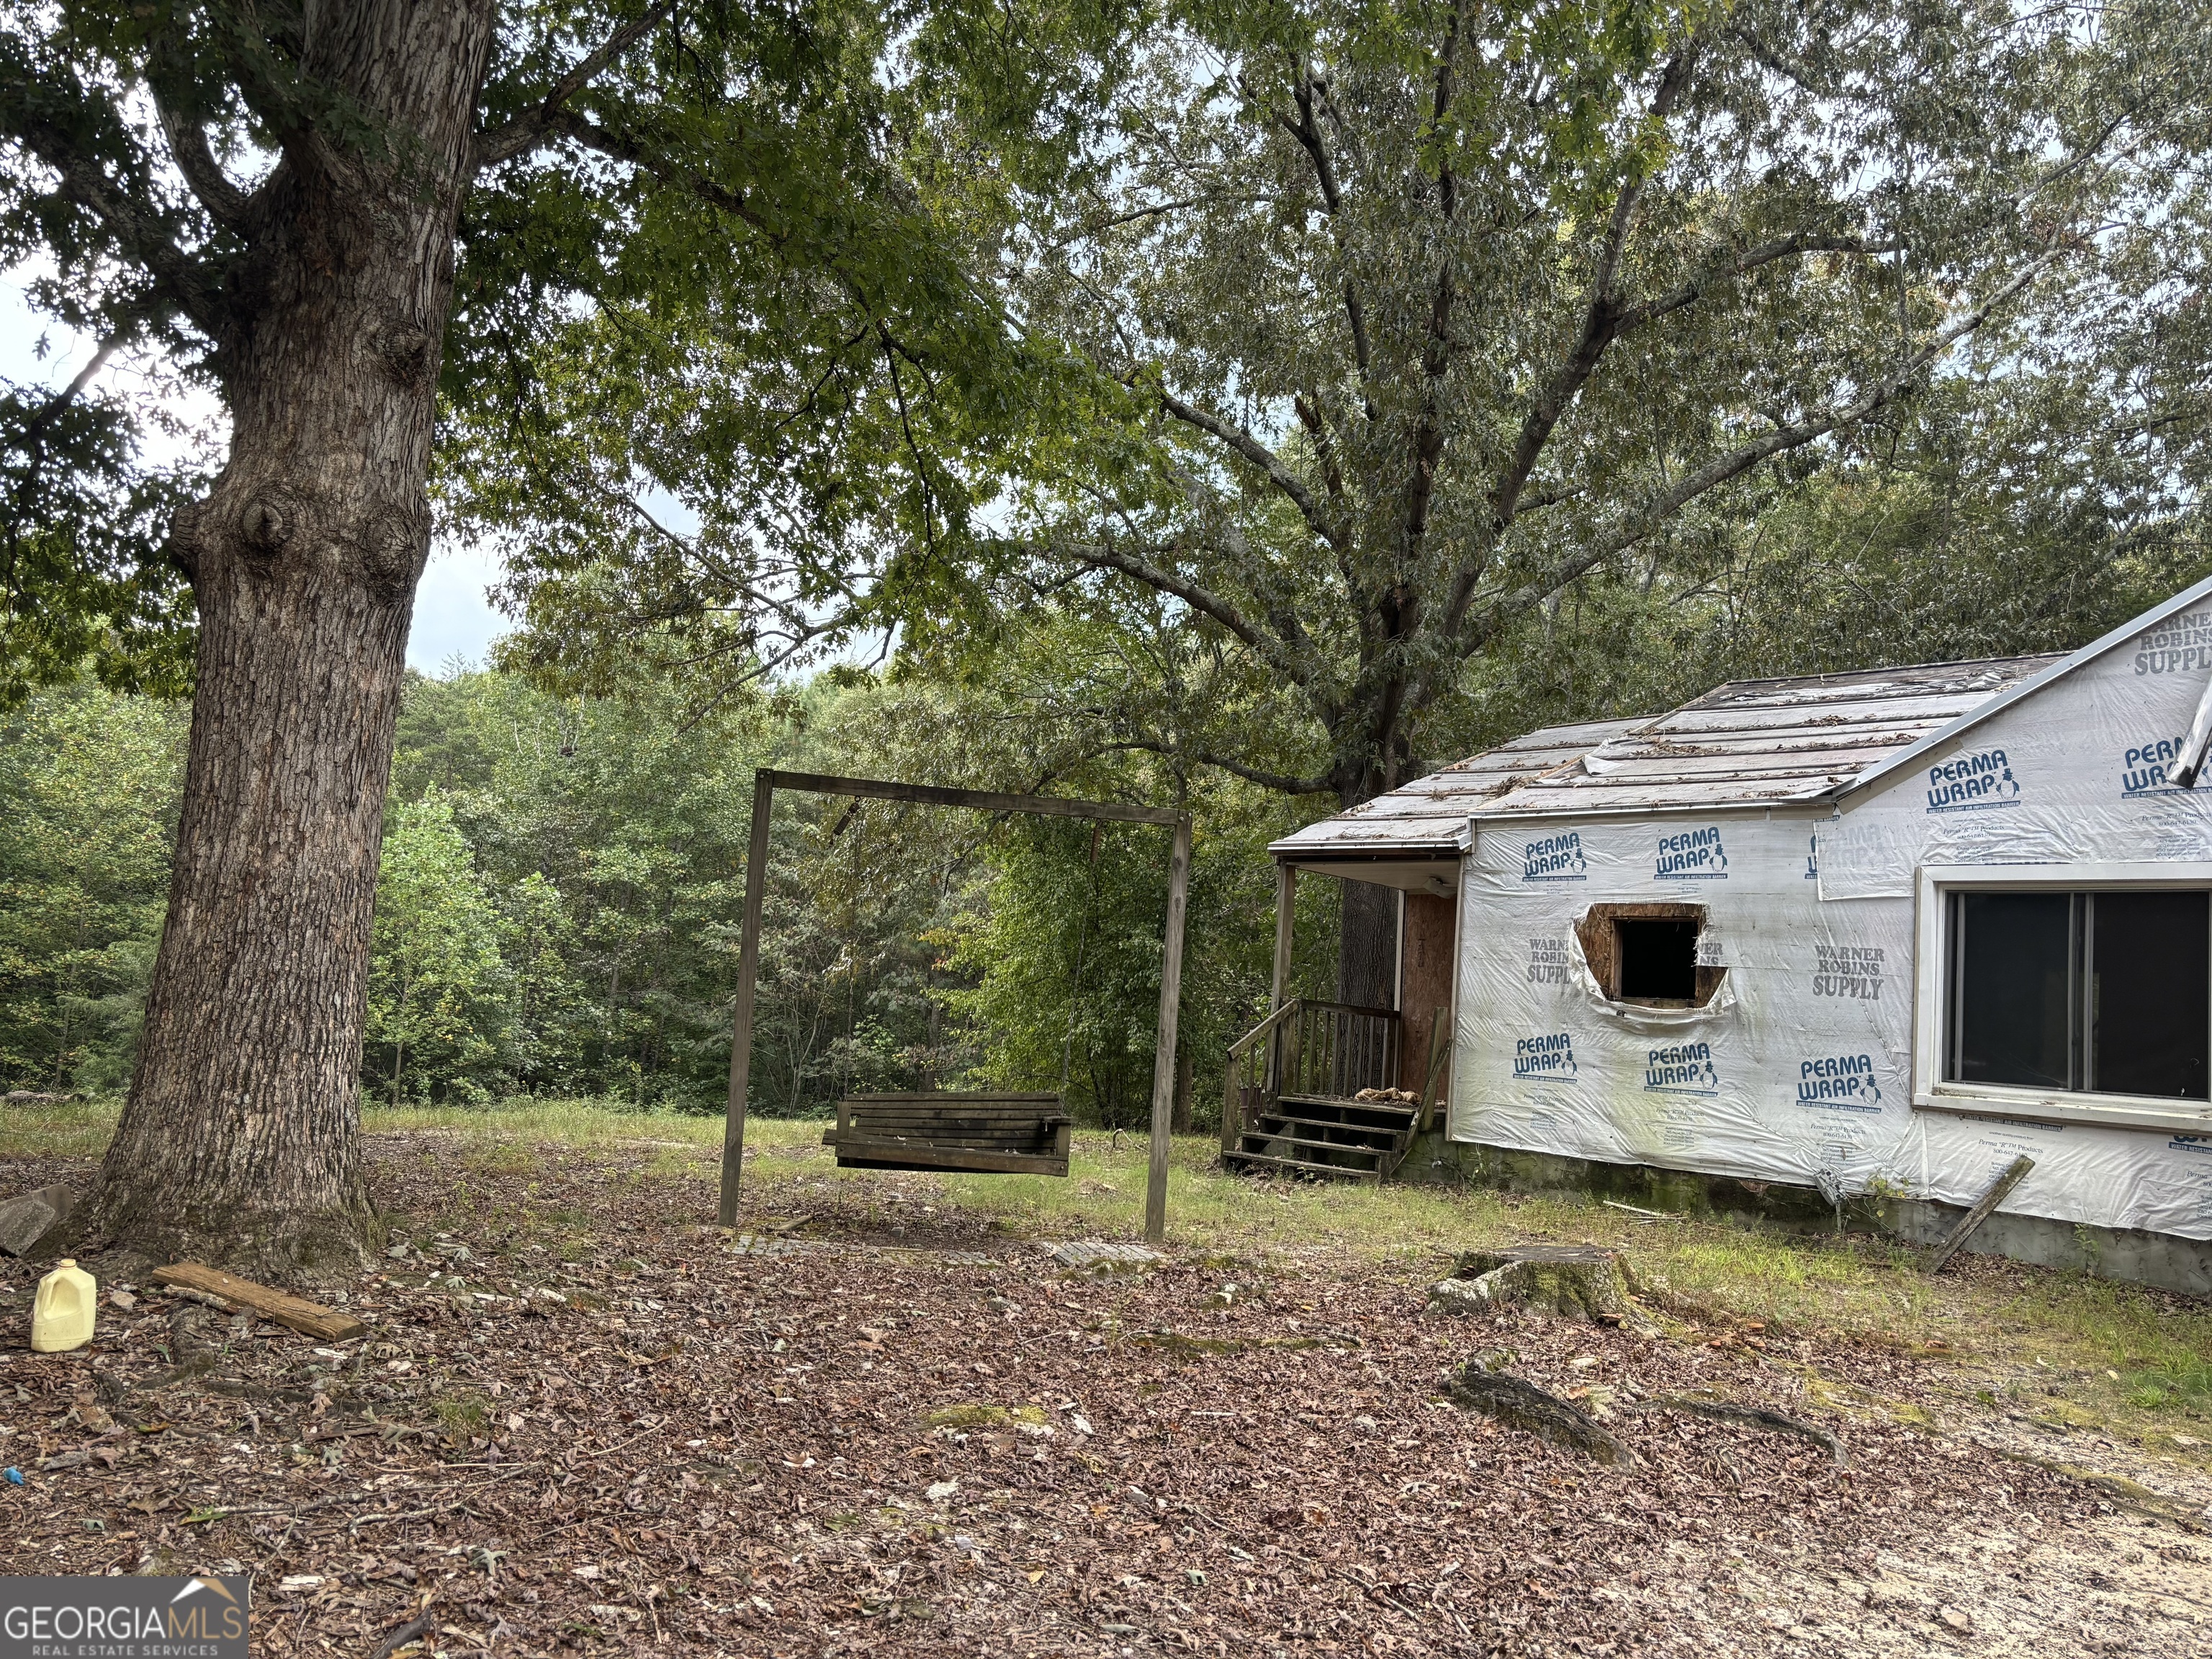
[{"x": 1309, "y": 1047}]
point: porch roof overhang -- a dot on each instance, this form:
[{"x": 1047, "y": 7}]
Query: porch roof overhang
[
  {"x": 1424, "y": 828},
  {"x": 1433, "y": 869}
]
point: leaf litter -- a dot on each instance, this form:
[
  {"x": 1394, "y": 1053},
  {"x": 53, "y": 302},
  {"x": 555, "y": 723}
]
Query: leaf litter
[{"x": 580, "y": 1422}]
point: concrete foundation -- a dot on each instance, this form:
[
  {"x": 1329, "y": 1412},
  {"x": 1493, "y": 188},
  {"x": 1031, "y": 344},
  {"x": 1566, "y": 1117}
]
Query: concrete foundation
[{"x": 2131, "y": 1254}]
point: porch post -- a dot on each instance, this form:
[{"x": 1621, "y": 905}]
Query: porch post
[{"x": 1286, "y": 881}]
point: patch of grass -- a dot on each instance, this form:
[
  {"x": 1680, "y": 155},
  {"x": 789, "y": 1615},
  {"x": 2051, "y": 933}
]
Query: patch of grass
[
  {"x": 983, "y": 1416},
  {"x": 566, "y": 1123},
  {"x": 2180, "y": 1381},
  {"x": 2114, "y": 1347},
  {"x": 462, "y": 1417},
  {"x": 2124, "y": 1350},
  {"x": 71, "y": 1128}
]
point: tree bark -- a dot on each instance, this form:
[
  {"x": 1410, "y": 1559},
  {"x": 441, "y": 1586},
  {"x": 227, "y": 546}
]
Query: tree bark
[
  {"x": 238, "y": 1141},
  {"x": 1367, "y": 946}
]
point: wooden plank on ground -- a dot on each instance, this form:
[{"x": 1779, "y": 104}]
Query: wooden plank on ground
[
  {"x": 295, "y": 1312},
  {"x": 2000, "y": 1189}
]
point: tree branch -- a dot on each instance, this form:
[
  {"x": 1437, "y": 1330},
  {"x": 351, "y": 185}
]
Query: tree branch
[
  {"x": 1312, "y": 417},
  {"x": 1282, "y": 782},
  {"x": 527, "y": 131},
  {"x": 1766, "y": 253},
  {"x": 1602, "y": 323},
  {"x": 1236, "y": 438},
  {"x": 1794, "y": 435},
  {"x": 566, "y": 123},
  {"x": 1307, "y": 131},
  {"x": 188, "y": 146},
  {"x": 1104, "y": 556},
  {"x": 141, "y": 237},
  {"x": 1428, "y": 447}
]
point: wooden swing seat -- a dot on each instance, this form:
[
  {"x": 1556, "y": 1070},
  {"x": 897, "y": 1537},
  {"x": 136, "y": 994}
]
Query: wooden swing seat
[{"x": 982, "y": 1134}]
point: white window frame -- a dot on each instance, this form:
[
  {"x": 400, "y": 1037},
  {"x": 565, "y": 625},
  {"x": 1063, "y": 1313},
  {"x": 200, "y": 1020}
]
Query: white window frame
[{"x": 1931, "y": 952}]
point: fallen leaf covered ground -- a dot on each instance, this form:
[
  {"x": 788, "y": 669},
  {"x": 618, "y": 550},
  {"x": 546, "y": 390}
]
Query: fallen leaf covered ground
[{"x": 581, "y": 1421}]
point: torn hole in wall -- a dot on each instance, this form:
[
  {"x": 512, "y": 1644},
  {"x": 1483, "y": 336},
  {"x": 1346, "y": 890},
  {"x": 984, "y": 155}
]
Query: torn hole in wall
[{"x": 1660, "y": 957}]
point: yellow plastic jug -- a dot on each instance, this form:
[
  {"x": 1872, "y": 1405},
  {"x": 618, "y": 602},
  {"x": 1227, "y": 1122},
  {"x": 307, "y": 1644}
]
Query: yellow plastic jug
[{"x": 62, "y": 1312}]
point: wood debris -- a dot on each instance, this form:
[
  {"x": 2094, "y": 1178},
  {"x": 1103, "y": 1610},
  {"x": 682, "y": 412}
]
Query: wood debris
[{"x": 294, "y": 1312}]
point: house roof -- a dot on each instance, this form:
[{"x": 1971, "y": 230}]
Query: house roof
[
  {"x": 1749, "y": 743},
  {"x": 1804, "y": 741}
]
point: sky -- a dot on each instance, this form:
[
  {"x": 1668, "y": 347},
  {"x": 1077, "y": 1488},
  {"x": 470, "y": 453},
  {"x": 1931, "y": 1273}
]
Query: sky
[{"x": 453, "y": 616}]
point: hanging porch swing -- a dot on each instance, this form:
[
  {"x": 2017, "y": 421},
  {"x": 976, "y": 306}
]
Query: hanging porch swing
[
  {"x": 990, "y": 1133},
  {"x": 973, "y": 1132}
]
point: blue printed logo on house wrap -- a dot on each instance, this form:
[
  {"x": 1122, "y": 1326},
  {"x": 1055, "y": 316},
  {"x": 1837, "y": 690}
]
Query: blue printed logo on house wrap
[
  {"x": 1838, "y": 1083},
  {"x": 1692, "y": 856},
  {"x": 1687, "y": 1069},
  {"x": 1550, "y": 1056},
  {"x": 1555, "y": 858},
  {"x": 1972, "y": 782},
  {"x": 2143, "y": 768}
]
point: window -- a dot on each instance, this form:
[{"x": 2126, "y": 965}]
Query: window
[
  {"x": 2102, "y": 992},
  {"x": 1647, "y": 954}
]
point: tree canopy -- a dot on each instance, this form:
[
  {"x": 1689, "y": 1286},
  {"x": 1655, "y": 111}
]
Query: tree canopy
[{"x": 753, "y": 227}]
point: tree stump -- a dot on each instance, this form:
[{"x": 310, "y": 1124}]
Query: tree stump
[{"x": 1569, "y": 1281}]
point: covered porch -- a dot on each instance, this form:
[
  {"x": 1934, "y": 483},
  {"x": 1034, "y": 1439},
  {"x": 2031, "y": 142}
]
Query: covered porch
[
  {"x": 1292, "y": 1093},
  {"x": 1339, "y": 1088}
]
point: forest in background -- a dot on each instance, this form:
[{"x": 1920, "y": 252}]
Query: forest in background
[
  {"x": 562, "y": 884},
  {"x": 1243, "y": 408}
]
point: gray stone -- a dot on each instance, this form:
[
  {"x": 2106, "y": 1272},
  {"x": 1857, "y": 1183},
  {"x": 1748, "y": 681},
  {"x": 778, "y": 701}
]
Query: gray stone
[
  {"x": 1088, "y": 1255},
  {"x": 24, "y": 1219}
]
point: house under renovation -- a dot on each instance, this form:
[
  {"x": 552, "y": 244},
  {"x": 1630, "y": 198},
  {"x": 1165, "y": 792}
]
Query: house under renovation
[{"x": 1848, "y": 941}]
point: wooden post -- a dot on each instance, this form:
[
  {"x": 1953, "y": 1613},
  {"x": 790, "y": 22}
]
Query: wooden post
[
  {"x": 1286, "y": 899},
  {"x": 2000, "y": 1189},
  {"x": 1163, "y": 1057},
  {"x": 741, "y": 1032}
]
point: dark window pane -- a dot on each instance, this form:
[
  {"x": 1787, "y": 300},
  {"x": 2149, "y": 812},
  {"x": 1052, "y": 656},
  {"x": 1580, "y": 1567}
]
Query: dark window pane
[
  {"x": 2011, "y": 1003},
  {"x": 1658, "y": 961},
  {"x": 2148, "y": 958}
]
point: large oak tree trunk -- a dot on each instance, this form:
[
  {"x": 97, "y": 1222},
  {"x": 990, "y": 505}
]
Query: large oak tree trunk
[
  {"x": 1367, "y": 921},
  {"x": 1367, "y": 946},
  {"x": 238, "y": 1137}
]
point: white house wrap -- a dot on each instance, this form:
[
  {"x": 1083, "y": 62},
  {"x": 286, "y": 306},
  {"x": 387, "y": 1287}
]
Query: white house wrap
[{"x": 1823, "y": 842}]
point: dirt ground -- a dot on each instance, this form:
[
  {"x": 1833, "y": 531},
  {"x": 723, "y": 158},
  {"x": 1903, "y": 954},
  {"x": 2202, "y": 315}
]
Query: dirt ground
[{"x": 581, "y": 1421}]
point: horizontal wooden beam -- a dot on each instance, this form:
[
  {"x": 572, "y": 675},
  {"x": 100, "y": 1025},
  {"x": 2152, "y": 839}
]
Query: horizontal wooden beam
[{"x": 984, "y": 800}]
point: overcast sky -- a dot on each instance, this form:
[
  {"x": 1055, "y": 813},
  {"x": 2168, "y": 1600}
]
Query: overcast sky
[{"x": 452, "y": 615}]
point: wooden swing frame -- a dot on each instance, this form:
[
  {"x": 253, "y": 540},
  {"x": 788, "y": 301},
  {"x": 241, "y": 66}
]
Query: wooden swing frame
[{"x": 766, "y": 782}]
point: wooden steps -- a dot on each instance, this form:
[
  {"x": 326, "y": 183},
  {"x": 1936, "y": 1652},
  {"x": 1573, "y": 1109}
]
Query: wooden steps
[{"x": 1333, "y": 1137}]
